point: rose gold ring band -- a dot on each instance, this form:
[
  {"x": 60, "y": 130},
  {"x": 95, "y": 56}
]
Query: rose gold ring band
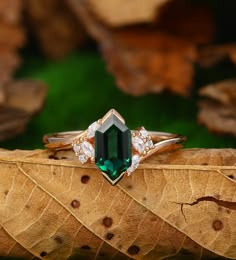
[{"x": 110, "y": 144}]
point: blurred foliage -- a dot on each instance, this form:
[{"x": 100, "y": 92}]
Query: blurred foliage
[{"x": 81, "y": 91}]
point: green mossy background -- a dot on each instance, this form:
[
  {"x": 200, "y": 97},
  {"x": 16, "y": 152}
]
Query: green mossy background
[{"x": 80, "y": 90}]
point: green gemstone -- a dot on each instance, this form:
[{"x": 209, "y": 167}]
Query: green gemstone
[{"x": 113, "y": 148}]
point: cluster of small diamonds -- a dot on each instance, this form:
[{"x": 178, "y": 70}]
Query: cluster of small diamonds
[
  {"x": 142, "y": 143},
  {"x": 83, "y": 147}
]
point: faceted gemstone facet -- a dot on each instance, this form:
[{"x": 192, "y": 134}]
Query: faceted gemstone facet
[
  {"x": 82, "y": 158},
  {"x": 142, "y": 141},
  {"x": 138, "y": 144},
  {"x": 149, "y": 144},
  {"x": 134, "y": 165},
  {"x": 92, "y": 129},
  {"x": 83, "y": 151},
  {"x": 87, "y": 149},
  {"x": 113, "y": 148},
  {"x": 143, "y": 133},
  {"x": 76, "y": 148}
]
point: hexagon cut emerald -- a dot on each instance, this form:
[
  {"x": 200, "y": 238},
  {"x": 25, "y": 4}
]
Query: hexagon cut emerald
[{"x": 113, "y": 149}]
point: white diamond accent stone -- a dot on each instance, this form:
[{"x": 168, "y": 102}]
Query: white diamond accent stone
[
  {"x": 138, "y": 144},
  {"x": 134, "y": 165},
  {"x": 82, "y": 158},
  {"x": 87, "y": 149},
  {"x": 143, "y": 133},
  {"x": 92, "y": 129},
  {"x": 76, "y": 148},
  {"x": 149, "y": 144}
]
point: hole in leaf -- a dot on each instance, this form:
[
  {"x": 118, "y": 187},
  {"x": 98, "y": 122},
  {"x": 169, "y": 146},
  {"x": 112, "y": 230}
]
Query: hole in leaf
[
  {"x": 42, "y": 254},
  {"x": 133, "y": 250},
  {"x": 107, "y": 222},
  {"x": 85, "y": 179},
  {"x": 109, "y": 236},
  {"x": 75, "y": 204},
  {"x": 217, "y": 225}
]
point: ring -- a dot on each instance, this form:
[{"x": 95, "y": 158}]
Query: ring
[{"x": 111, "y": 145}]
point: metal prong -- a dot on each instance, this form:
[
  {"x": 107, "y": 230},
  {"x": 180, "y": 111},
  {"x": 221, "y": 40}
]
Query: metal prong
[{"x": 113, "y": 112}]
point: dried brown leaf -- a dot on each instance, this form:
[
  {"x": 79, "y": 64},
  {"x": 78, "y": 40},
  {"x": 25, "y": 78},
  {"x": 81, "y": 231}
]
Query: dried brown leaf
[
  {"x": 122, "y": 12},
  {"x": 176, "y": 204},
  {"x": 9, "y": 62},
  {"x": 218, "y": 111},
  {"x": 10, "y": 11},
  {"x": 12, "y": 38},
  {"x": 33, "y": 98},
  {"x": 170, "y": 16},
  {"x": 142, "y": 59},
  {"x": 211, "y": 55},
  {"x": 200, "y": 28},
  {"x": 2, "y": 95},
  {"x": 145, "y": 61},
  {"x": 11, "y": 35},
  {"x": 54, "y": 25},
  {"x": 12, "y": 122},
  {"x": 21, "y": 100},
  {"x": 152, "y": 59}
]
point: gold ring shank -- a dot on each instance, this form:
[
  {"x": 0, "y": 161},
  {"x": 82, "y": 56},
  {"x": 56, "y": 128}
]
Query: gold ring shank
[
  {"x": 129, "y": 152},
  {"x": 64, "y": 140}
]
